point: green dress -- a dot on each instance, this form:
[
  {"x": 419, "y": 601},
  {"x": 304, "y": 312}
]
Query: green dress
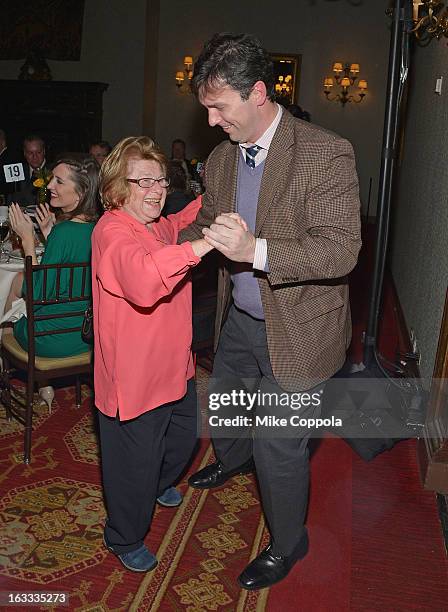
[{"x": 68, "y": 242}]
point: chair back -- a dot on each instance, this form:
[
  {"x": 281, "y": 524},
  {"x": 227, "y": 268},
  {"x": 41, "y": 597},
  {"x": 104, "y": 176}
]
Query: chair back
[{"x": 63, "y": 284}]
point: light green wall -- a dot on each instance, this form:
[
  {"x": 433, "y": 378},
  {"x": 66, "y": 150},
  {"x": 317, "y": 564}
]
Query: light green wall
[{"x": 419, "y": 246}]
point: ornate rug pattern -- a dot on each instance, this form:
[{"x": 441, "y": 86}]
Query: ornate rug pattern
[
  {"x": 361, "y": 553},
  {"x": 52, "y": 516}
]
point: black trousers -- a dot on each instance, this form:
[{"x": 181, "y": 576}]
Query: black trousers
[
  {"x": 140, "y": 459},
  {"x": 282, "y": 464}
]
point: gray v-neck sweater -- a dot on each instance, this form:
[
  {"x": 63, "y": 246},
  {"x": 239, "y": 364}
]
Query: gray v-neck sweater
[{"x": 246, "y": 293}]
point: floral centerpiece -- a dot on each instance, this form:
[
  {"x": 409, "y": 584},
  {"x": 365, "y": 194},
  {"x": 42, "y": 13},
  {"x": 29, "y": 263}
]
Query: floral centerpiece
[{"x": 41, "y": 181}]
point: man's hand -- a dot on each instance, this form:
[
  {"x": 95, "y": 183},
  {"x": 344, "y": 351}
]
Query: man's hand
[{"x": 229, "y": 235}]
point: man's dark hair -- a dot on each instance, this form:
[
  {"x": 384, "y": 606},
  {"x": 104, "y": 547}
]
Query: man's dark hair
[
  {"x": 178, "y": 141},
  {"x": 237, "y": 60}
]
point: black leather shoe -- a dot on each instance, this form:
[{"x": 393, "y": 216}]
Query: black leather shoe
[
  {"x": 267, "y": 568},
  {"x": 214, "y": 475}
]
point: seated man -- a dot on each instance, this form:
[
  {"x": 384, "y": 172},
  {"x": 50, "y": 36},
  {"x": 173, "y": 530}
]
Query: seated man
[
  {"x": 24, "y": 192},
  {"x": 100, "y": 150},
  {"x": 178, "y": 154}
]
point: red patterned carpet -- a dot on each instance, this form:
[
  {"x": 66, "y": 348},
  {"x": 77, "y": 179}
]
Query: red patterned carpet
[
  {"x": 52, "y": 515},
  {"x": 375, "y": 538}
]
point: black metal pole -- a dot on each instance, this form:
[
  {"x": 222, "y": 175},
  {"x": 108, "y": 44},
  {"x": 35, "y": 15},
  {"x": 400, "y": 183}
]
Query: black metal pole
[
  {"x": 368, "y": 200},
  {"x": 385, "y": 184}
]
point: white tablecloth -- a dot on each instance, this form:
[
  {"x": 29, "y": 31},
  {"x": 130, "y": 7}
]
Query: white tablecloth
[{"x": 7, "y": 273}]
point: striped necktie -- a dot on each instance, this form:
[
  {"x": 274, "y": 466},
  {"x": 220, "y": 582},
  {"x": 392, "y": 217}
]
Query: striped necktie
[{"x": 251, "y": 153}]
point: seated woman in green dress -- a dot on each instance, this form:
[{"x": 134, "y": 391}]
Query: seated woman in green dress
[{"x": 73, "y": 189}]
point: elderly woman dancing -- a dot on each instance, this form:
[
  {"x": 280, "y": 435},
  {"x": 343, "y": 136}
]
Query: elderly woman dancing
[{"x": 144, "y": 387}]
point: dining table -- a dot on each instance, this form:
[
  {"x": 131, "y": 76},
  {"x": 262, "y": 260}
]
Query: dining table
[
  {"x": 8, "y": 270},
  {"x": 10, "y": 264}
]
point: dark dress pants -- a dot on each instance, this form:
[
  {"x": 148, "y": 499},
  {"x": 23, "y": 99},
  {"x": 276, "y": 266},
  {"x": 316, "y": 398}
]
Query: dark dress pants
[
  {"x": 282, "y": 464},
  {"x": 140, "y": 459}
]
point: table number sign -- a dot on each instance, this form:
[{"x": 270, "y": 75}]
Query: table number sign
[{"x": 14, "y": 172}]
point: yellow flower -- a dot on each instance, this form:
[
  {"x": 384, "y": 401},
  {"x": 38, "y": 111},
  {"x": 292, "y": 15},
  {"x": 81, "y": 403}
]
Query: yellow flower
[
  {"x": 39, "y": 182},
  {"x": 194, "y": 161}
]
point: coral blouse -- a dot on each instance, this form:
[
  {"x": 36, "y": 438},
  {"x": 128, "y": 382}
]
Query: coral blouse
[{"x": 141, "y": 291}]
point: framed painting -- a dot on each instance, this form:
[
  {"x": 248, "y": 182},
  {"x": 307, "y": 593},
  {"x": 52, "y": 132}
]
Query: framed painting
[
  {"x": 50, "y": 29},
  {"x": 287, "y": 77}
]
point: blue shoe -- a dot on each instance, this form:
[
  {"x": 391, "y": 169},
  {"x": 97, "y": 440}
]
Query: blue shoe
[
  {"x": 139, "y": 560},
  {"x": 170, "y": 498}
]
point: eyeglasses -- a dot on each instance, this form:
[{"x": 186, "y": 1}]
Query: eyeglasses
[{"x": 148, "y": 182}]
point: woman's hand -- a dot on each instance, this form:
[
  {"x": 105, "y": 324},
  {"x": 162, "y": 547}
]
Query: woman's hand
[
  {"x": 200, "y": 247},
  {"x": 45, "y": 219},
  {"x": 22, "y": 225}
]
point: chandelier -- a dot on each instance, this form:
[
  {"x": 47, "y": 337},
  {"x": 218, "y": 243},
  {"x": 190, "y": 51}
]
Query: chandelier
[
  {"x": 430, "y": 19},
  {"x": 345, "y": 76}
]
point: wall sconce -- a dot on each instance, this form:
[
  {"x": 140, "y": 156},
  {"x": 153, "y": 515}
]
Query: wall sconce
[
  {"x": 345, "y": 76},
  {"x": 186, "y": 73},
  {"x": 430, "y": 19}
]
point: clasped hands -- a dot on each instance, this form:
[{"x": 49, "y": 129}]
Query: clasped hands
[
  {"x": 230, "y": 235},
  {"x": 22, "y": 223}
]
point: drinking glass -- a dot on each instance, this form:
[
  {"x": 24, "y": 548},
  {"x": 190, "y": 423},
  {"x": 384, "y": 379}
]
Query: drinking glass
[{"x": 4, "y": 228}]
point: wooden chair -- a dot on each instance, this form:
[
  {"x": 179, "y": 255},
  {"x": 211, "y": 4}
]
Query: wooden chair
[{"x": 67, "y": 283}]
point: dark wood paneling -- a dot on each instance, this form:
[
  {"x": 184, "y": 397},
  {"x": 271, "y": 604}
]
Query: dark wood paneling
[{"x": 67, "y": 114}]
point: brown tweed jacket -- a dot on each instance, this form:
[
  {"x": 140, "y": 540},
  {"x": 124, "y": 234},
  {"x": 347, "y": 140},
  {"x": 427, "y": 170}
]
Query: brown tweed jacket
[{"x": 308, "y": 210}]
